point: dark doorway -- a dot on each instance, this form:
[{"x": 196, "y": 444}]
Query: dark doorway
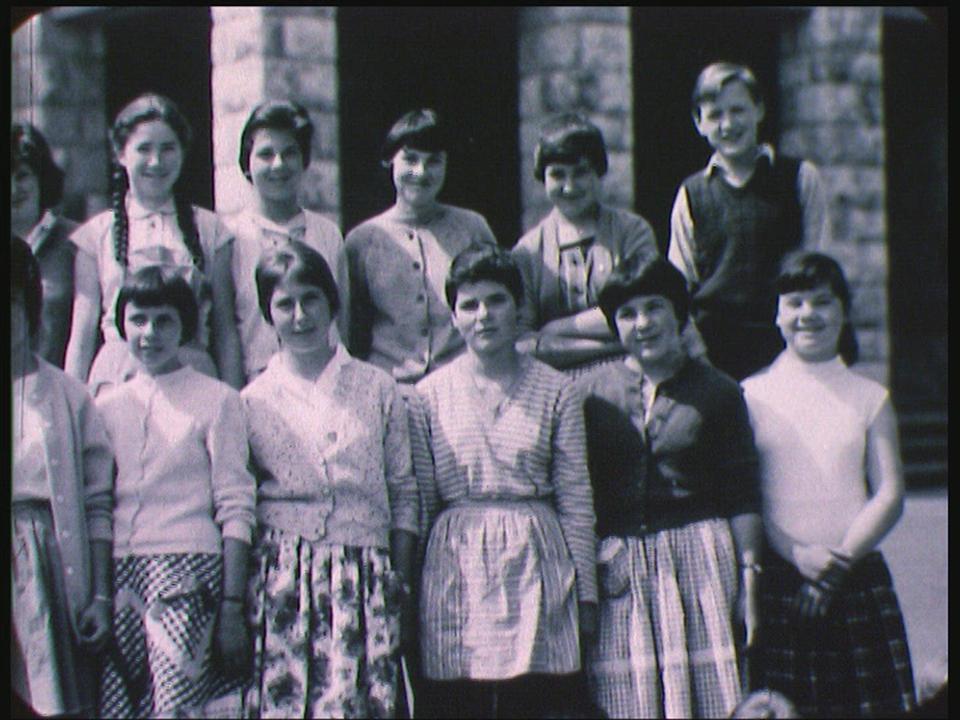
[
  {"x": 462, "y": 62},
  {"x": 166, "y": 50},
  {"x": 915, "y": 95},
  {"x": 670, "y": 47}
]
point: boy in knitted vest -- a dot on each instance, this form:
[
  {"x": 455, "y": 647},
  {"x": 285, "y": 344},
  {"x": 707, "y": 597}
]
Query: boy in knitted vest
[{"x": 734, "y": 220}]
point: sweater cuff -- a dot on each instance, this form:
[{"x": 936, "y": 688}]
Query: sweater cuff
[
  {"x": 100, "y": 529},
  {"x": 237, "y": 530}
]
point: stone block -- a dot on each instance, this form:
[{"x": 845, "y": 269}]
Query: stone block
[
  {"x": 227, "y": 127},
  {"x": 88, "y": 168},
  {"x": 617, "y": 130},
  {"x": 321, "y": 186},
  {"x": 311, "y": 38},
  {"x": 533, "y": 17},
  {"x": 315, "y": 84},
  {"x": 618, "y": 183},
  {"x": 232, "y": 193},
  {"x": 851, "y": 186},
  {"x": 854, "y": 26},
  {"x": 563, "y": 91},
  {"x": 93, "y": 126},
  {"x": 326, "y": 135},
  {"x": 835, "y": 144},
  {"x": 605, "y": 47},
  {"x": 869, "y": 307},
  {"x": 531, "y": 95},
  {"x": 238, "y": 86},
  {"x": 874, "y": 345},
  {"x": 549, "y": 48},
  {"x": 60, "y": 125},
  {"x": 225, "y": 13},
  {"x": 238, "y": 37},
  {"x": 831, "y": 103},
  {"x": 606, "y": 92}
]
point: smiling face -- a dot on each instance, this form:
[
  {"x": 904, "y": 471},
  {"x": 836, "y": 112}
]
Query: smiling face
[
  {"x": 485, "y": 315},
  {"x": 810, "y": 322},
  {"x": 153, "y": 158},
  {"x": 730, "y": 121},
  {"x": 649, "y": 329},
  {"x": 24, "y": 196},
  {"x": 276, "y": 165},
  {"x": 153, "y": 335},
  {"x": 301, "y": 315},
  {"x": 418, "y": 176},
  {"x": 572, "y": 188}
]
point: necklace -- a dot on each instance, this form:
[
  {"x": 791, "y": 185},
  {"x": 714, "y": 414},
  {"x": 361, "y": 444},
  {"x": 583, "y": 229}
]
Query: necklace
[{"x": 494, "y": 395}]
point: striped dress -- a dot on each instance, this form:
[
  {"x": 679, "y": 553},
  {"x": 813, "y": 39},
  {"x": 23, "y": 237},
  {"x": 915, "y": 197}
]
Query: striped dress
[{"x": 510, "y": 515}]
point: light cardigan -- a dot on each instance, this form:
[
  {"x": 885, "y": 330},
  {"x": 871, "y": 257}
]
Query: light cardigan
[
  {"x": 79, "y": 468},
  {"x": 811, "y": 421},
  {"x": 182, "y": 478},
  {"x": 255, "y": 234},
  {"x": 332, "y": 455}
]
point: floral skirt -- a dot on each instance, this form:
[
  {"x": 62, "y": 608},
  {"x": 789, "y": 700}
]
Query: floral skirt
[
  {"x": 160, "y": 660},
  {"x": 665, "y": 642},
  {"x": 48, "y": 669},
  {"x": 326, "y": 629}
]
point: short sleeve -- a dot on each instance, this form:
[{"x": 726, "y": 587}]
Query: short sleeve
[{"x": 89, "y": 237}]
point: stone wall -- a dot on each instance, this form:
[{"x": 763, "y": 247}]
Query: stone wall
[
  {"x": 57, "y": 84},
  {"x": 831, "y": 81},
  {"x": 263, "y": 53},
  {"x": 576, "y": 59}
]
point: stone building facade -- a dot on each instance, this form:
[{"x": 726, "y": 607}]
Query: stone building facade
[{"x": 829, "y": 73}]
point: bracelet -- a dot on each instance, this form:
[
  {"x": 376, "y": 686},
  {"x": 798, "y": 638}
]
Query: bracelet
[
  {"x": 232, "y": 598},
  {"x": 755, "y": 567},
  {"x": 100, "y": 597}
]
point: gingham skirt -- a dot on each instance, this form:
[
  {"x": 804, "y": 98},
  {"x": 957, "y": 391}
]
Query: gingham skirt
[
  {"x": 666, "y": 646},
  {"x": 48, "y": 669},
  {"x": 498, "y": 595},
  {"x": 160, "y": 660},
  {"x": 855, "y": 662},
  {"x": 326, "y": 629}
]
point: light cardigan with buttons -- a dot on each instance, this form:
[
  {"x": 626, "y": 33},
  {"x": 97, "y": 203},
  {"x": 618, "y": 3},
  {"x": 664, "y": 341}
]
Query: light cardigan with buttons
[
  {"x": 182, "y": 479},
  {"x": 79, "y": 467}
]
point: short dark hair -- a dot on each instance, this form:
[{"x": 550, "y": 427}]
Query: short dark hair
[
  {"x": 567, "y": 138},
  {"x": 25, "y": 279},
  {"x": 29, "y": 147},
  {"x": 483, "y": 262},
  {"x": 296, "y": 261},
  {"x": 276, "y": 115},
  {"x": 146, "y": 108},
  {"x": 644, "y": 276},
  {"x": 714, "y": 76},
  {"x": 156, "y": 285},
  {"x": 804, "y": 270},
  {"x": 418, "y": 129}
]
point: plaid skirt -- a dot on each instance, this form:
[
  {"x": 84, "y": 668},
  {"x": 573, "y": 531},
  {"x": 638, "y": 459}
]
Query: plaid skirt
[
  {"x": 854, "y": 662},
  {"x": 160, "y": 660},
  {"x": 48, "y": 668},
  {"x": 326, "y": 629},
  {"x": 498, "y": 595},
  {"x": 665, "y": 646}
]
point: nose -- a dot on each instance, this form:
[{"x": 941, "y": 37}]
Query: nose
[{"x": 278, "y": 162}]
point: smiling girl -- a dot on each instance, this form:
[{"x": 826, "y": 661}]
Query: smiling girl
[
  {"x": 398, "y": 260},
  {"x": 274, "y": 153},
  {"x": 150, "y": 225},
  {"x": 183, "y": 514},
  {"x": 833, "y": 635}
]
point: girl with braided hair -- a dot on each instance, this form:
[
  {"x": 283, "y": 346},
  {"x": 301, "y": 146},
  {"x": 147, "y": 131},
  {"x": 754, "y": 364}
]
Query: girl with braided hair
[{"x": 149, "y": 225}]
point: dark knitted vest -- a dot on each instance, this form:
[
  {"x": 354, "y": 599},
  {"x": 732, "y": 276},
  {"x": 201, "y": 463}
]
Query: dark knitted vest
[{"x": 740, "y": 237}]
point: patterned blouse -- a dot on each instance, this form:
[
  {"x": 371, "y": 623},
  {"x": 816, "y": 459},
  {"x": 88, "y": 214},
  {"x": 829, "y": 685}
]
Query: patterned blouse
[
  {"x": 531, "y": 446},
  {"x": 333, "y": 455}
]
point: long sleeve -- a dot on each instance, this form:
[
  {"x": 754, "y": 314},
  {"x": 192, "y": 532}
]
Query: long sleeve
[
  {"x": 681, "y": 251},
  {"x": 97, "y": 472},
  {"x": 398, "y": 467},
  {"x": 358, "y": 309},
  {"x": 234, "y": 488},
  {"x": 574, "y": 497},
  {"x": 737, "y": 467},
  {"x": 813, "y": 204},
  {"x": 424, "y": 467}
]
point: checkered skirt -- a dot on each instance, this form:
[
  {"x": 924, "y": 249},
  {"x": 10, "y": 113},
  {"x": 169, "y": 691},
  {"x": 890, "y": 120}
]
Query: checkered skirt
[
  {"x": 160, "y": 660},
  {"x": 855, "y": 662},
  {"x": 666, "y": 645}
]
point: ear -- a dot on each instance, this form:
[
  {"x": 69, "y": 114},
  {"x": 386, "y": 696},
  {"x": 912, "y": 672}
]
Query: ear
[{"x": 695, "y": 116}]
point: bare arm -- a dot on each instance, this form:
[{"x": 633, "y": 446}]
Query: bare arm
[
  {"x": 86, "y": 315},
  {"x": 226, "y": 337}
]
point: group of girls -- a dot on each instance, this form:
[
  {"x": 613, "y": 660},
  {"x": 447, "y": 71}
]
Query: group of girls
[{"x": 303, "y": 458}]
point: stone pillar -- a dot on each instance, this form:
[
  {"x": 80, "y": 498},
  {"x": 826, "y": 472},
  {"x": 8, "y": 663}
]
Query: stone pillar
[
  {"x": 261, "y": 53},
  {"x": 832, "y": 113},
  {"x": 576, "y": 59},
  {"x": 57, "y": 84}
]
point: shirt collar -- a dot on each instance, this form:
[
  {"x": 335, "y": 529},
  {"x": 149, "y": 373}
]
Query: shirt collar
[
  {"x": 136, "y": 211},
  {"x": 41, "y": 231},
  {"x": 296, "y": 224},
  {"x": 579, "y": 242},
  {"x": 325, "y": 382},
  {"x": 717, "y": 162}
]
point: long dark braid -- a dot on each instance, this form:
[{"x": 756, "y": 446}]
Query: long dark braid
[
  {"x": 188, "y": 228},
  {"x": 121, "y": 224}
]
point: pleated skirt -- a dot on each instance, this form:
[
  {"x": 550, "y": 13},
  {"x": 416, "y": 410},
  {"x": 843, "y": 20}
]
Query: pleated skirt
[
  {"x": 48, "y": 669},
  {"x": 855, "y": 662},
  {"x": 326, "y": 630},
  {"x": 666, "y": 646},
  {"x": 498, "y": 596}
]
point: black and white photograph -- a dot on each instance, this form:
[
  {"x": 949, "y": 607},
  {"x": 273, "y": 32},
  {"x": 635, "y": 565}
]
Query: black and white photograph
[{"x": 478, "y": 361}]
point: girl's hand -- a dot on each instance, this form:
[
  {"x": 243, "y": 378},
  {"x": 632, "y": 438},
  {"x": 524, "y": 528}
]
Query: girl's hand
[
  {"x": 812, "y": 601},
  {"x": 232, "y": 640},
  {"x": 812, "y": 560},
  {"x": 96, "y": 625},
  {"x": 746, "y": 610}
]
